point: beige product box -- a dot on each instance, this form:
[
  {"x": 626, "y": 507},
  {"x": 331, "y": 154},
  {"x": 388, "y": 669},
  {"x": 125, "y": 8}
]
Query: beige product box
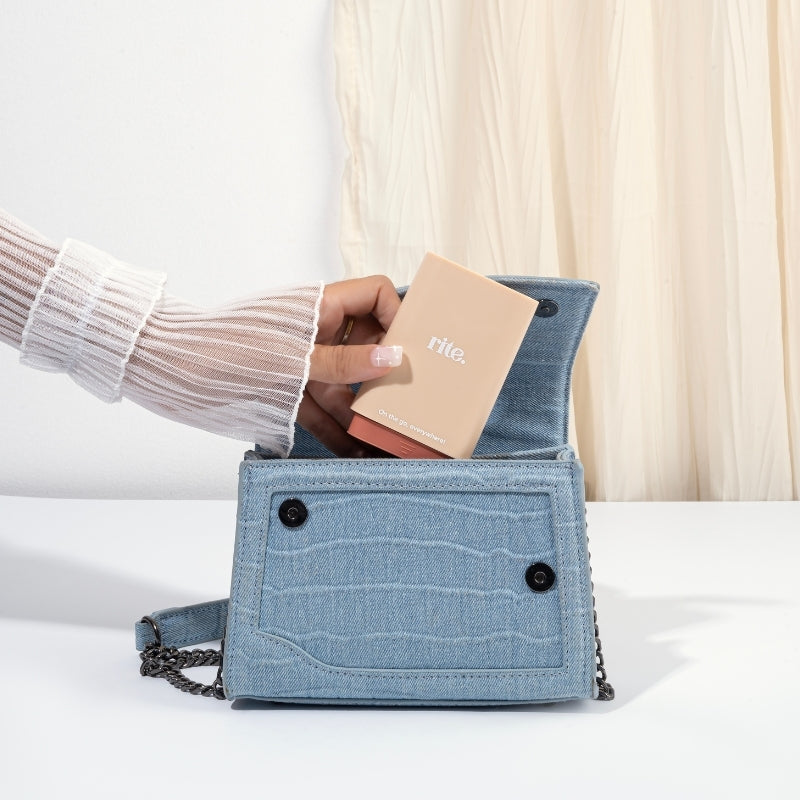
[{"x": 460, "y": 333}]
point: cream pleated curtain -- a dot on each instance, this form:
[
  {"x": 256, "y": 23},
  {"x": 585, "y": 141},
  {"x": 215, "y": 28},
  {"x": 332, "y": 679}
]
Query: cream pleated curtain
[{"x": 650, "y": 146}]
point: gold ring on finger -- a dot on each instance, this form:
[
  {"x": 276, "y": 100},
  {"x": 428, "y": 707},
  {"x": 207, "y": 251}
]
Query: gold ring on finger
[{"x": 348, "y": 330}]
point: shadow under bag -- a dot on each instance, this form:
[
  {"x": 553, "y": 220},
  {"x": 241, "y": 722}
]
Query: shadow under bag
[{"x": 404, "y": 582}]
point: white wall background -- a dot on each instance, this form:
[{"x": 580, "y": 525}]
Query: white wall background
[{"x": 199, "y": 138}]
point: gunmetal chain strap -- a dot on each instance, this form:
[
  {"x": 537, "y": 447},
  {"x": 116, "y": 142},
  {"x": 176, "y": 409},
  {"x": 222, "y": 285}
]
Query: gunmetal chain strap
[
  {"x": 605, "y": 691},
  {"x": 159, "y": 661}
]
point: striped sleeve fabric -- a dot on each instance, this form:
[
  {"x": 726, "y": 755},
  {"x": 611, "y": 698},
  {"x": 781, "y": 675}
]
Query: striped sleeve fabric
[{"x": 237, "y": 369}]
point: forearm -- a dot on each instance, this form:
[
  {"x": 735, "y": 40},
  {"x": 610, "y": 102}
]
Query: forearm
[
  {"x": 237, "y": 370},
  {"x": 25, "y": 258}
]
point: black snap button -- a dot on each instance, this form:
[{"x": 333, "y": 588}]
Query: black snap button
[
  {"x": 292, "y": 513},
  {"x": 539, "y": 577},
  {"x": 547, "y": 308}
]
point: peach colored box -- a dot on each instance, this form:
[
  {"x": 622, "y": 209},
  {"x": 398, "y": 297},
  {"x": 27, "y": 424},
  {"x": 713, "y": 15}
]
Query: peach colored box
[{"x": 460, "y": 333}]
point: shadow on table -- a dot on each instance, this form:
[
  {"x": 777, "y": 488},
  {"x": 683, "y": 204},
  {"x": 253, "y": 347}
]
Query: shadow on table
[{"x": 47, "y": 589}]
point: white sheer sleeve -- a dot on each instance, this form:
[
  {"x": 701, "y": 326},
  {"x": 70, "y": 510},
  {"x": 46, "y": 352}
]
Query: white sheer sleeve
[{"x": 237, "y": 370}]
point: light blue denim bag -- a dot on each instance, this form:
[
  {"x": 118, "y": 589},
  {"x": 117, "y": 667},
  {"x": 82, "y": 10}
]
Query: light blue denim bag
[{"x": 403, "y": 582}]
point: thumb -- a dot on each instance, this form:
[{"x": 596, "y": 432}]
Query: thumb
[{"x": 352, "y": 363}]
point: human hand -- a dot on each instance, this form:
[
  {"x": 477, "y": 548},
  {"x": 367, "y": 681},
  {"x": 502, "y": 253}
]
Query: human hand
[{"x": 371, "y": 304}]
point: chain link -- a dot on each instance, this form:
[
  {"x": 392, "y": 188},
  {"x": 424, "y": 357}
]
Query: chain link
[
  {"x": 159, "y": 661},
  {"x": 605, "y": 691}
]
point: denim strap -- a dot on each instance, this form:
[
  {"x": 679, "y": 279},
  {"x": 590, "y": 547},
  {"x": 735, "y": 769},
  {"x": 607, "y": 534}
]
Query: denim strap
[{"x": 186, "y": 626}]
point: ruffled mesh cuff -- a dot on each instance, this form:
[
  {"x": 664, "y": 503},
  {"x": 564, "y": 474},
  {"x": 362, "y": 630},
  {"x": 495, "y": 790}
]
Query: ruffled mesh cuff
[
  {"x": 237, "y": 370},
  {"x": 87, "y": 316}
]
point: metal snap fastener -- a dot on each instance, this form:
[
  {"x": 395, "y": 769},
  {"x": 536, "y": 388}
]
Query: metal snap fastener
[
  {"x": 539, "y": 577},
  {"x": 547, "y": 308},
  {"x": 292, "y": 513}
]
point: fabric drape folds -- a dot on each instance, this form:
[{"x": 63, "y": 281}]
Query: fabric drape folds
[{"x": 652, "y": 147}]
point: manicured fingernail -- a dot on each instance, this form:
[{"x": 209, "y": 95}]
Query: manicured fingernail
[{"x": 387, "y": 356}]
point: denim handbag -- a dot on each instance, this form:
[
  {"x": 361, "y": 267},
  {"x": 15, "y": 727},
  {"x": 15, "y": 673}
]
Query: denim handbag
[{"x": 404, "y": 582}]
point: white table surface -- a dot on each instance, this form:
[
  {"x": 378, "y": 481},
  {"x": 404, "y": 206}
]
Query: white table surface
[{"x": 698, "y": 610}]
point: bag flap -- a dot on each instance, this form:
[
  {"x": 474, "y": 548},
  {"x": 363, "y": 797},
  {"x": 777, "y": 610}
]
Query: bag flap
[{"x": 532, "y": 411}]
